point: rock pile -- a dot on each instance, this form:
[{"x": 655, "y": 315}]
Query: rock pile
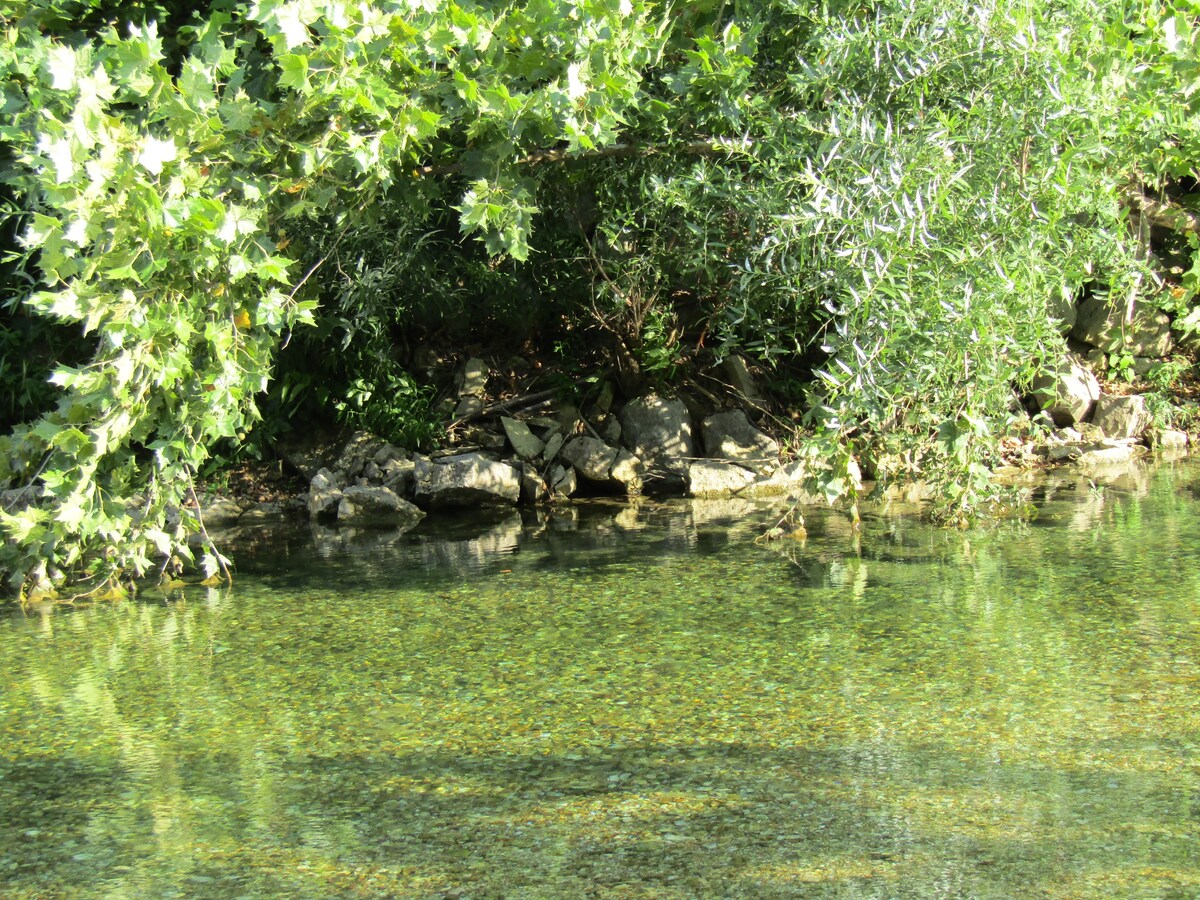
[{"x": 1095, "y": 427}]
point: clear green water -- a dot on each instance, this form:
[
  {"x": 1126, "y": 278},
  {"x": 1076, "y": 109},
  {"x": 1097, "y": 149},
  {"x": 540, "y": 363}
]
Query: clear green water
[{"x": 637, "y": 703}]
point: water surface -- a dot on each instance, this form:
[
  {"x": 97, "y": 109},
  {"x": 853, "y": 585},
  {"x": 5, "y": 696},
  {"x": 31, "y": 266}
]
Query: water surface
[{"x": 614, "y": 702}]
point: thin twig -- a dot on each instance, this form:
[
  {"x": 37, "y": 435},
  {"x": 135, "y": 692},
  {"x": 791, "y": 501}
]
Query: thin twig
[{"x": 208, "y": 541}]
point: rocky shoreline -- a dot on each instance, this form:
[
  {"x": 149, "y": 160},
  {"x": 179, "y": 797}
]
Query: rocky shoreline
[{"x": 535, "y": 452}]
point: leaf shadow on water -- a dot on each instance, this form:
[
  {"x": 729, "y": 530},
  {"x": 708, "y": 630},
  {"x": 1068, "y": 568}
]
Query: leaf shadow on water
[
  {"x": 742, "y": 820},
  {"x": 640, "y": 820}
]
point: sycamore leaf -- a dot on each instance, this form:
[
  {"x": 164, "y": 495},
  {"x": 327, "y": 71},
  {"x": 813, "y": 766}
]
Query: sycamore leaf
[
  {"x": 72, "y": 512},
  {"x": 59, "y": 152},
  {"x": 294, "y": 72},
  {"x": 156, "y": 153},
  {"x": 61, "y": 65}
]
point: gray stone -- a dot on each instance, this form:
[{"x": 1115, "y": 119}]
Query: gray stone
[
  {"x": 610, "y": 431},
  {"x": 324, "y": 494},
  {"x": 1105, "y": 456},
  {"x": 221, "y": 513},
  {"x": 604, "y": 402},
  {"x": 741, "y": 379},
  {"x": 1170, "y": 439},
  {"x": 465, "y": 480},
  {"x": 1059, "y": 452},
  {"x": 474, "y": 378},
  {"x": 564, "y": 482},
  {"x": 358, "y": 448},
  {"x": 591, "y": 457},
  {"x": 628, "y": 470},
  {"x": 375, "y": 503},
  {"x": 545, "y": 424},
  {"x": 397, "y": 474},
  {"x": 371, "y": 470},
  {"x": 388, "y": 453},
  {"x": 1102, "y": 324},
  {"x": 789, "y": 478},
  {"x": 467, "y": 407},
  {"x": 567, "y": 417},
  {"x": 1096, "y": 360},
  {"x": 533, "y": 488},
  {"x": 729, "y": 435},
  {"x": 1063, "y": 311},
  {"x": 658, "y": 431},
  {"x": 270, "y": 511},
  {"x": 1068, "y": 392},
  {"x": 1144, "y": 365},
  {"x": 485, "y": 439},
  {"x": 716, "y": 478},
  {"x": 553, "y": 445},
  {"x": 524, "y": 442},
  {"x": 1121, "y": 417},
  {"x": 313, "y": 450}
]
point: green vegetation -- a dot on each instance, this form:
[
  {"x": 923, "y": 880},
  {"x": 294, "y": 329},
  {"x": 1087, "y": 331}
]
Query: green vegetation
[{"x": 886, "y": 201}]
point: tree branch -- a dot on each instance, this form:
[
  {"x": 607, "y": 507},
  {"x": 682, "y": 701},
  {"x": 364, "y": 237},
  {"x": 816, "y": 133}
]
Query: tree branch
[{"x": 618, "y": 151}]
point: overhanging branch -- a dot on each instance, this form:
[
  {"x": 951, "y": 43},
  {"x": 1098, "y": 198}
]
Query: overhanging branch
[{"x": 616, "y": 151}]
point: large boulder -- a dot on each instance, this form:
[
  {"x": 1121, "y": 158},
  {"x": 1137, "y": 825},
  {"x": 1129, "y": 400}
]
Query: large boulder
[
  {"x": 465, "y": 480},
  {"x": 592, "y": 458},
  {"x": 1101, "y": 323},
  {"x": 1068, "y": 392},
  {"x": 376, "y": 504},
  {"x": 1121, "y": 417},
  {"x": 658, "y": 431},
  {"x": 729, "y": 435},
  {"x": 716, "y": 478}
]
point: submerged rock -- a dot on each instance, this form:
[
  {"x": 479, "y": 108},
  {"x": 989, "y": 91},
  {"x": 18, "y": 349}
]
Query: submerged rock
[{"x": 221, "y": 513}]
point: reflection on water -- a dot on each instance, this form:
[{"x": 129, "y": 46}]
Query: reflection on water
[{"x": 631, "y": 702}]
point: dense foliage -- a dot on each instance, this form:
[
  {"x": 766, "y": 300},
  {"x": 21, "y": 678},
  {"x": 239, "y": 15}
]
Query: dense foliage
[{"x": 890, "y": 199}]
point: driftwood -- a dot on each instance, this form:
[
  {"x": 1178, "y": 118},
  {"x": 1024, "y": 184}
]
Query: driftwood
[{"x": 516, "y": 403}]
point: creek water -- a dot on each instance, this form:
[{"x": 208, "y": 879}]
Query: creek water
[{"x": 631, "y": 702}]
